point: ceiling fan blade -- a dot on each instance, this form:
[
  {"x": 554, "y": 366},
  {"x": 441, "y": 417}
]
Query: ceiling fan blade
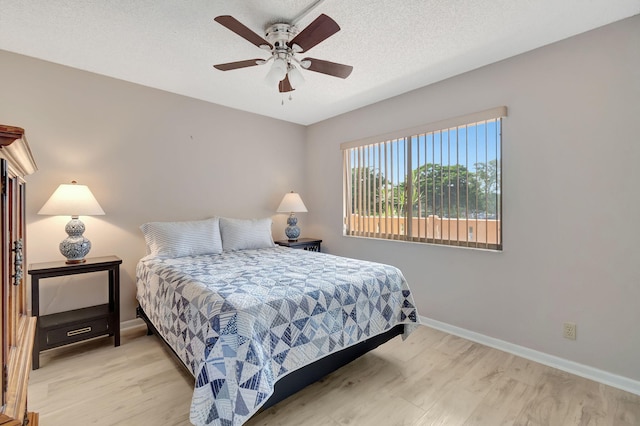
[
  {"x": 285, "y": 85},
  {"x": 239, "y": 64},
  {"x": 329, "y": 68},
  {"x": 319, "y": 30},
  {"x": 239, "y": 28}
]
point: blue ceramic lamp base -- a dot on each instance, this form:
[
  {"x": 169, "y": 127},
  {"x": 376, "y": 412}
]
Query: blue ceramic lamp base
[
  {"x": 75, "y": 247},
  {"x": 292, "y": 231}
]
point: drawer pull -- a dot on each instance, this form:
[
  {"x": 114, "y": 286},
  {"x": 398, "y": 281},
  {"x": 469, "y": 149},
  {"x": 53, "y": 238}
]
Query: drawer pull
[{"x": 78, "y": 331}]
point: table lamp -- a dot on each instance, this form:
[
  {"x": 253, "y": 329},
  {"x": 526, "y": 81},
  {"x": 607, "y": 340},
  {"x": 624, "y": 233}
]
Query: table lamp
[
  {"x": 73, "y": 200},
  {"x": 292, "y": 203}
]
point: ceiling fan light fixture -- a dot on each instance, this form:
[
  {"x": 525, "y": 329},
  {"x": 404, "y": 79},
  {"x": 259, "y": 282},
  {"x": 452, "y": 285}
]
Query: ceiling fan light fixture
[
  {"x": 281, "y": 64},
  {"x": 277, "y": 72},
  {"x": 295, "y": 77}
]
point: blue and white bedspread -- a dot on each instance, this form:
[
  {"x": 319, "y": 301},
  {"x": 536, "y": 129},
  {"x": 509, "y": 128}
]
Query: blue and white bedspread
[{"x": 242, "y": 320}]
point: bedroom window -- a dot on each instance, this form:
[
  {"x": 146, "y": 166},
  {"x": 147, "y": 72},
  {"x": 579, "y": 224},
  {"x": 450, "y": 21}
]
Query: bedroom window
[{"x": 440, "y": 183}]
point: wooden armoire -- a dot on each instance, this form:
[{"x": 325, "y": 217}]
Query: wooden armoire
[{"x": 18, "y": 328}]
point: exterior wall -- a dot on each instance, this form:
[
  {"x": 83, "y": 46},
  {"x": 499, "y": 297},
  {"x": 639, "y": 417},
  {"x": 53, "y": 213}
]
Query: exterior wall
[{"x": 427, "y": 229}]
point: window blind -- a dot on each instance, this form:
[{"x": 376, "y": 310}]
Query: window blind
[{"x": 439, "y": 183}]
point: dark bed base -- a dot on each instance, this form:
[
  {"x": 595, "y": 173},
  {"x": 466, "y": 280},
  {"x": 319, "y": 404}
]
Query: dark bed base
[{"x": 299, "y": 379}]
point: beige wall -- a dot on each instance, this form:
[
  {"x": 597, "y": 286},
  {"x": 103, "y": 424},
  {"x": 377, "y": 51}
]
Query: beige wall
[
  {"x": 147, "y": 155},
  {"x": 571, "y": 153}
]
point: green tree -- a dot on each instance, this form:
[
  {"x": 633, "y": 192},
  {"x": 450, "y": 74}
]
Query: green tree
[
  {"x": 367, "y": 180},
  {"x": 488, "y": 176},
  {"x": 445, "y": 191}
]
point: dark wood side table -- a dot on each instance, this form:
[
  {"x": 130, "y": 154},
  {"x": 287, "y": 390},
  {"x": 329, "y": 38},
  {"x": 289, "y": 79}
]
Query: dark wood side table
[
  {"x": 309, "y": 244},
  {"x": 79, "y": 324}
]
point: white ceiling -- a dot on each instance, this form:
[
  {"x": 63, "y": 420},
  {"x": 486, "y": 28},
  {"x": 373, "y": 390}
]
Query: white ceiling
[{"x": 394, "y": 45}]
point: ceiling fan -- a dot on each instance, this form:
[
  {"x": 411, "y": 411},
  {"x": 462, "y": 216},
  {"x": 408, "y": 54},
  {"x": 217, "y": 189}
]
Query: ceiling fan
[{"x": 284, "y": 42}]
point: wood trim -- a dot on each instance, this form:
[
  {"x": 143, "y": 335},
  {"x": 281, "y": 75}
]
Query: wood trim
[
  {"x": 14, "y": 147},
  {"x": 34, "y": 419},
  {"x": 8, "y": 134},
  {"x": 19, "y": 366},
  {"x": 8, "y": 421},
  {"x": 17, "y": 328},
  {"x": 5, "y": 277}
]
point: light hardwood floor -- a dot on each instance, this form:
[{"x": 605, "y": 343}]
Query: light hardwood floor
[{"x": 432, "y": 378}]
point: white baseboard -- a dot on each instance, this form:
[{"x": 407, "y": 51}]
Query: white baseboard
[{"x": 620, "y": 382}]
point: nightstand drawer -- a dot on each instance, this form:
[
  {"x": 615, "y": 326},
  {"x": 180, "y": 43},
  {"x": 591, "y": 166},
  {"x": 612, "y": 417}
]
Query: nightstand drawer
[
  {"x": 75, "y": 333},
  {"x": 73, "y": 326}
]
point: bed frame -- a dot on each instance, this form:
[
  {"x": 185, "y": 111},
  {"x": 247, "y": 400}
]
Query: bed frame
[{"x": 301, "y": 378}]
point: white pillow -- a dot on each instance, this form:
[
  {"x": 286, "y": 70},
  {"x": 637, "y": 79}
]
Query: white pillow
[
  {"x": 178, "y": 239},
  {"x": 243, "y": 234}
]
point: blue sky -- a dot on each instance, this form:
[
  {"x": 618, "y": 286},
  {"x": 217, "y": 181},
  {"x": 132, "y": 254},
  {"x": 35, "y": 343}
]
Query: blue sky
[{"x": 477, "y": 143}]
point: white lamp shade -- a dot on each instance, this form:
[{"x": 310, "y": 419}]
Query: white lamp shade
[
  {"x": 71, "y": 199},
  {"x": 277, "y": 72},
  {"x": 291, "y": 203},
  {"x": 295, "y": 77}
]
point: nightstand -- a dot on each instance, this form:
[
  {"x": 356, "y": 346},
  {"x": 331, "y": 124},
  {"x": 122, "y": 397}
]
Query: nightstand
[
  {"x": 73, "y": 326},
  {"x": 309, "y": 244}
]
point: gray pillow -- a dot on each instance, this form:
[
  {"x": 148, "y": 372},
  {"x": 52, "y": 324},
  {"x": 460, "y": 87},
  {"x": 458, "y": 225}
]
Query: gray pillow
[
  {"x": 244, "y": 234},
  {"x": 178, "y": 239}
]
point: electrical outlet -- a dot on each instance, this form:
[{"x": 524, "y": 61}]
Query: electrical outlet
[{"x": 569, "y": 331}]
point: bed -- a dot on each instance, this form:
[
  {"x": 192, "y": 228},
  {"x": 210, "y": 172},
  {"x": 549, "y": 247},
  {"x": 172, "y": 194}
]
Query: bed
[{"x": 254, "y": 322}]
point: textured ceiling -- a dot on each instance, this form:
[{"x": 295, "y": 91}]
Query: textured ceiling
[{"x": 394, "y": 45}]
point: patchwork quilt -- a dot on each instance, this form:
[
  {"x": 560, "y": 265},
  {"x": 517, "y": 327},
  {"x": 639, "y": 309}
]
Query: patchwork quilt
[{"x": 242, "y": 320}]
